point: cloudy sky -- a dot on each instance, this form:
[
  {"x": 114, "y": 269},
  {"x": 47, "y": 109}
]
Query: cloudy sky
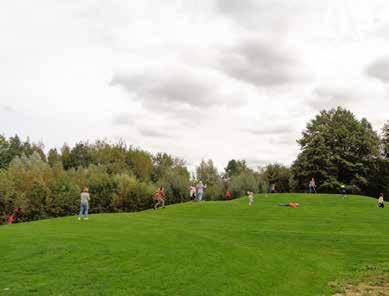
[{"x": 216, "y": 79}]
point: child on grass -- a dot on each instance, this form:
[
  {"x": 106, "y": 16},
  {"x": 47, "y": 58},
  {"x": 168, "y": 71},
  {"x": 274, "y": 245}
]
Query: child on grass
[
  {"x": 381, "y": 201},
  {"x": 251, "y": 197},
  {"x": 159, "y": 198}
]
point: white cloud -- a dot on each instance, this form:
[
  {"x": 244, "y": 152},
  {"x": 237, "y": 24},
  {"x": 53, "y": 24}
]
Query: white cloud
[{"x": 217, "y": 79}]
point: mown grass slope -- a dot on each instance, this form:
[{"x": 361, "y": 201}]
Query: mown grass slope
[{"x": 209, "y": 248}]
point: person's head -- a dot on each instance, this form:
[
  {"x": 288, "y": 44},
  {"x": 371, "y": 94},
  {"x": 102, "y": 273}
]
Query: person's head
[
  {"x": 313, "y": 179},
  {"x": 161, "y": 188},
  {"x": 201, "y": 183},
  {"x": 381, "y": 194},
  {"x": 86, "y": 189}
]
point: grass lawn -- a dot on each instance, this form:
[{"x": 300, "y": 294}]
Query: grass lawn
[{"x": 209, "y": 248}]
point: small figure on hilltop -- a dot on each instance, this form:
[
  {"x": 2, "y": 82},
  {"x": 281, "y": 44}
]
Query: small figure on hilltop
[
  {"x": 381, "y": 201},
  {"x": 343, "y": 190},
  {"x": 11, "y": 219},
  {"x": 200, "y": 190},
  {"x": 159, "y": 198},
  {"x": 192, "y": 193},
  {"x": 273, "y": 188},
  {"x": 251, "y": 197},
  {"x": 228, "y": 195},
  {"x": 14, "y": 218},
  {"x": 312, "y": 186},
  {"x": 84, "y": 207}
]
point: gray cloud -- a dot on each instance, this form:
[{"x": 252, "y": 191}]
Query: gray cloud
[
  {"x": 271, "y": 130},
  {"x": 379, "y": 69},
  {"x": 255, "y": 163},
  {"x": 272, "y": 14},
  {"x": 330, "y": 96},
  {"x": 122, "y": 119},
  {"x": 260, "y": 63},
  {"x": 176, "y": 90},
  {"x": 282, "y": 140},
  {"x": 152, "y": 133},
  {"x": 7, "y": 108}
]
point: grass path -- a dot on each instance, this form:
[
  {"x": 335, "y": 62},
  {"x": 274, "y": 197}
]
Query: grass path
[{"x": 210, "y": 248}]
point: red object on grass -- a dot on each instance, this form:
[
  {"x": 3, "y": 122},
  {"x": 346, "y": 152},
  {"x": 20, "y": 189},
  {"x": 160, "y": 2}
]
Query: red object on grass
[{"x": 228, "y": 195}]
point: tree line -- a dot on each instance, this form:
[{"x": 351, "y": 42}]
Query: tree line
[{"x": 336, "y": 149}]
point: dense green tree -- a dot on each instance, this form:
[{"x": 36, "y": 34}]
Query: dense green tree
[
  {"x": 336, "y": 149},
  {"x": 385, "y": 140},
  {"x": 81, "y": 156},
  {"x": 209, "y": 175},
  {"x": 4, "y": 153},
  {"x": 140, "y": 162},
  {"x": 235, "y": 167},
  {"x": 161, "y": 163},
  {"x": 240, "y": 184},
  {"x": 277, "y": 174},
  {"x": 13, "y": 147},
  {"x": 53, "y": 157}
]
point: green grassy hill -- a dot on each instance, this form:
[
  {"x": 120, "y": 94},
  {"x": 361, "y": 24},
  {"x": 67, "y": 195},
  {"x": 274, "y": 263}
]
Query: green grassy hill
[{"x": 209, "y": 248}]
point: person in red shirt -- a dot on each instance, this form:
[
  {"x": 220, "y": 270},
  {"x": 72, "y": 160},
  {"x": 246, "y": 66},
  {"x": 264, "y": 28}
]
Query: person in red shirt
[
  {"x": 11, "y": 219},
  {"x": 159, "y": 198}
]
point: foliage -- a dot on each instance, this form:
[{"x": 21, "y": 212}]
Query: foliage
[
  {"x": 209, "y": 175},
  {"x": 235, "y": 168},
  {"x": 336, "y": 149},
  {"x": 277, "y": 174}
]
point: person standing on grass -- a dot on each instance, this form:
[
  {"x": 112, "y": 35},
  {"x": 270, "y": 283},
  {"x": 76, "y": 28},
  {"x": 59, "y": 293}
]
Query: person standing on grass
[
  {"x": 312, "y": 186},
  {"x": 200, "y": 190},
  {"x": 159, "y": 198},
  {"x": 273, "y": 188},
  {"x": 192, "y": 193},
  {"x": 251, "y": 197},
  {"x": 381, "y": 201},
  {"x": 84, "y": 208},
  {"x": 343, "y": 190}
]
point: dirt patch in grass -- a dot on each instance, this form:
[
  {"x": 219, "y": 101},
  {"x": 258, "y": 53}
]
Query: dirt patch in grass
[{"x": 378, "y": 286}]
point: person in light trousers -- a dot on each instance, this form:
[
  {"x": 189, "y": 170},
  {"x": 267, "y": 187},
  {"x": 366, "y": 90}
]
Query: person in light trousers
[{"x": 84, "y": 207}]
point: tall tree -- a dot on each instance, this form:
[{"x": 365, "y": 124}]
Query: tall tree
[
  {"x": 336, "y": 149},
  {"x": 53, "y": 157},
  {"x": 385, "y": 140},
  {"x": 277, "y": 174},
  {"x": 235, "y": 168}
]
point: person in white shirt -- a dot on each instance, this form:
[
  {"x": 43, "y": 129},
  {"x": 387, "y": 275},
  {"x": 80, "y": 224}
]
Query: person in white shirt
[
  {"x": 84, "y": 207},
  {"x": 381, "y": 201},
  {"x": 251, "y": 197},
  {"x": 192, "y": 192},
  {"x": 312, "y": 186},
  {"x": 200, "y": 190}
]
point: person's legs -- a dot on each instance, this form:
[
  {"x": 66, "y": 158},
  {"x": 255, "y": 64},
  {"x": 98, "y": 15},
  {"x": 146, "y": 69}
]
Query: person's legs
[
  {"x": 81, "y": 211},
  {"x": 163, "y": 203},
  {"x": 86, "y": 210},
  {"x": 199, "y": 196},
  {"x": 310, "y": 189}
]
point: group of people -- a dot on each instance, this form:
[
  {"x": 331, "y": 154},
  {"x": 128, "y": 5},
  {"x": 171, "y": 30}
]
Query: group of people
[
  {"x": 312, "y": 187},
  {"x": 196, "y": 193}
]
